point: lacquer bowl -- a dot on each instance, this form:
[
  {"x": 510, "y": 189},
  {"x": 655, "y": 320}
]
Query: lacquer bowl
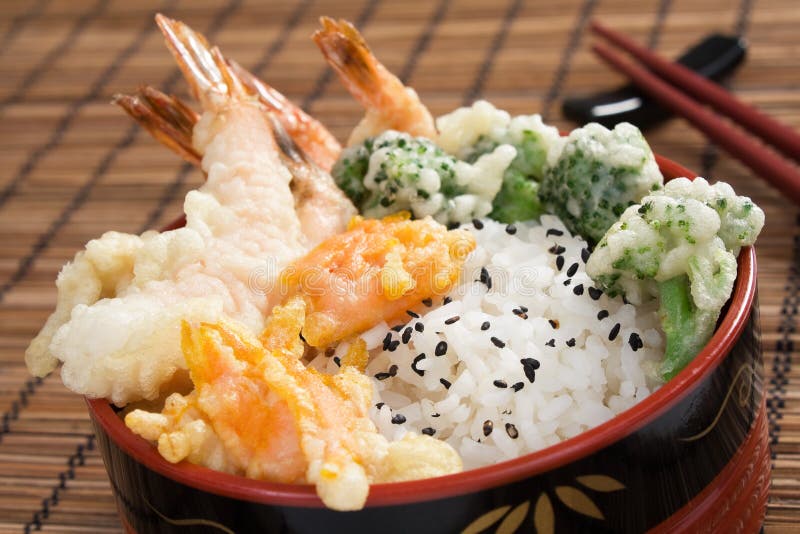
[{"x": 693, "y": 456}]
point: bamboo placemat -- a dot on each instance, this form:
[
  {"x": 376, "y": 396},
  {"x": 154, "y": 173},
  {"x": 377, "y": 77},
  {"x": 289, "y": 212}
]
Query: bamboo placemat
[{"x": 74, "y": 166}]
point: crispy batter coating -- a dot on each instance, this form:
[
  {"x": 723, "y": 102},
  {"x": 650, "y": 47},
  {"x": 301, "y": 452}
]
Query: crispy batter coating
[
  {"x": 261, "y": 412},
  {"x": 375, "y": 271}
]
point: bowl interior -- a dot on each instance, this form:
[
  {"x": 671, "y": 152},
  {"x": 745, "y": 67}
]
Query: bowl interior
[{"x": 728, "y": 331}]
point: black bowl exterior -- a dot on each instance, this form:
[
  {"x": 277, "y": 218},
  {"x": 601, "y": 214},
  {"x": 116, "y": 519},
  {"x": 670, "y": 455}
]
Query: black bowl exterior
[{"x": 657, "y": 476}]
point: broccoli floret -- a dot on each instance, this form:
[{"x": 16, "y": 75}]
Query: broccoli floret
[
  {"x": 518, "y": 199},
  {"x": 473, "y": 131},
  {"x": 597, "y": 175},
  {"x": 395, "y": 171},
  {"x": 678, "y": 245}
]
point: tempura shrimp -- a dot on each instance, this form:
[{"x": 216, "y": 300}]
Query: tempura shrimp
[
  {"x": 281, "y": 421},
  {"x": 309, "y": 134},
  {"x": 389, "y": 104},
  {"x": 375, "y": 271},
  {"x": 122, "y": 341},
  {"x": 321, "y": 206}
]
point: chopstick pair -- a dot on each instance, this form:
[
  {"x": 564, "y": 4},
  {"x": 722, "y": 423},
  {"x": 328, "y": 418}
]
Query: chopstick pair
[{"x": 671, "y": 85}]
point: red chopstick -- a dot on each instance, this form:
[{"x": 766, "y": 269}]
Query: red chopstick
[
  {"x": 775, "y": 133},
  {"x": 765, "y": 162}
]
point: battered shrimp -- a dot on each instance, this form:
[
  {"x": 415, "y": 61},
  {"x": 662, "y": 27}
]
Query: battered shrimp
[
  {"x": 122, "y": 341},
  {"x": 323, "y": 209},
  {"x": 389, "y": 104},
  {"x": 309, "y": 134},
  {"x": 281, "y": 421},
  {"x": 375, "y": 271}
]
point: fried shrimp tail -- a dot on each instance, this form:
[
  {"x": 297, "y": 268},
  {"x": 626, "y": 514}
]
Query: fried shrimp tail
[
  {"x": 168, "y": 119},
  {"x": 309, "y": 134},
  {"x": 203, "y": 67},
  {"x": 389, "y": 104}
]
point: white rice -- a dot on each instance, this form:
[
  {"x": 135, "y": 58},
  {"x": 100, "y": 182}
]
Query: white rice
[{"x": 544, "y": 369}]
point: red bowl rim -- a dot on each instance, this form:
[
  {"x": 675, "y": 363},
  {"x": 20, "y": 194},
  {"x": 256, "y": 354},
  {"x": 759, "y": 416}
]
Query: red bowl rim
[{"x": 304, "y": 495}]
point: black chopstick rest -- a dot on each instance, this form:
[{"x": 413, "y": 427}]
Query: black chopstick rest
[{"x": 715, "y": 57}]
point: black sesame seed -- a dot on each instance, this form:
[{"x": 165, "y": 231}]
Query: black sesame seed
[
  {"x": 485, "y": 278},
  {"x": 485, "y": 326},
  {"x": 447, "y": 300},
  {"x": 567, "y": 282},
  {"x": 445, "y": 383},
  {"x": 419, "y": 327},
  {"x": 497, "y": 343},
  {"x": 337, "y": 361},
  {"x": 500, "y": 384},
  {"x": 635, "y": 342},
  {"x": 595, "y": 293},
  {"x": 585, "y": 255},
  {"x": 519, "y": 313},
  {"x": 614, "y": 332},
  {"x": 393, "y": 370},
  {"x": 398, "y": 327},
  {"x": 452, "y": 319},
  {"x": 571, "y": 342},
  {"x": 488, "y": 426},
  {"x": 556, "y": 249},
  {"x": 572, "y": 269},
  {"x": 602, "y": 314},
  {"x": 530, "y": 373},
  {"x": 419, "y": 358},
  {"x": 512, "y": 431},
  {"x": 560, "y": 262},
  {"x": 427, "y": 302},
  {"x": 387, "y": 340},
  {"x": 553, "y": 323},
  {"x": 530, "y": 363},
  {"x": 398, "y": 419},
  {"x": 436, "y": 414},
  {"x": 453, "y": 225},
  {"x": 393, "y": 345},
  {"x": 441, "y": 348},
  {"x": 407, "y": 335},
  {"x": 518, "y": 386},
  {"x": 578, "y": 290},
  {"x": 551, "y": 343},
  {"x": 511, "y": 229},
  {"x": 554, "y": 231},
  {"x": 524, "y": 309},
  {"x": 428, "y": 431},
  {"x": 380, "y": 405},
  {"x": 383, "y": 376},
  {"x": 413, "y": 314},
  {"x": 477, "y": 224}
]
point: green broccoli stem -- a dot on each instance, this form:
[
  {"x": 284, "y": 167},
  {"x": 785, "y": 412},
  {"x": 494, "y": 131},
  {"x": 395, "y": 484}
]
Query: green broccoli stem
[{"x": 687, "y": 328}]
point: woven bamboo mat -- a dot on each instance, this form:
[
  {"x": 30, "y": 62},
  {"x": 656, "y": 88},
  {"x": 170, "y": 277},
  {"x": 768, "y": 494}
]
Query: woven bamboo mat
[{"x": 73, "y": 166}]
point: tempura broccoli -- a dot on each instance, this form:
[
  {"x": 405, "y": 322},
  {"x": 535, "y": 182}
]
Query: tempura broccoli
[
  {"x": 395, "y": 171},
  {"x": 678, "y": 245},
  {"x": 597, "y": 175},
  {"x": 470, "y": 132}
]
